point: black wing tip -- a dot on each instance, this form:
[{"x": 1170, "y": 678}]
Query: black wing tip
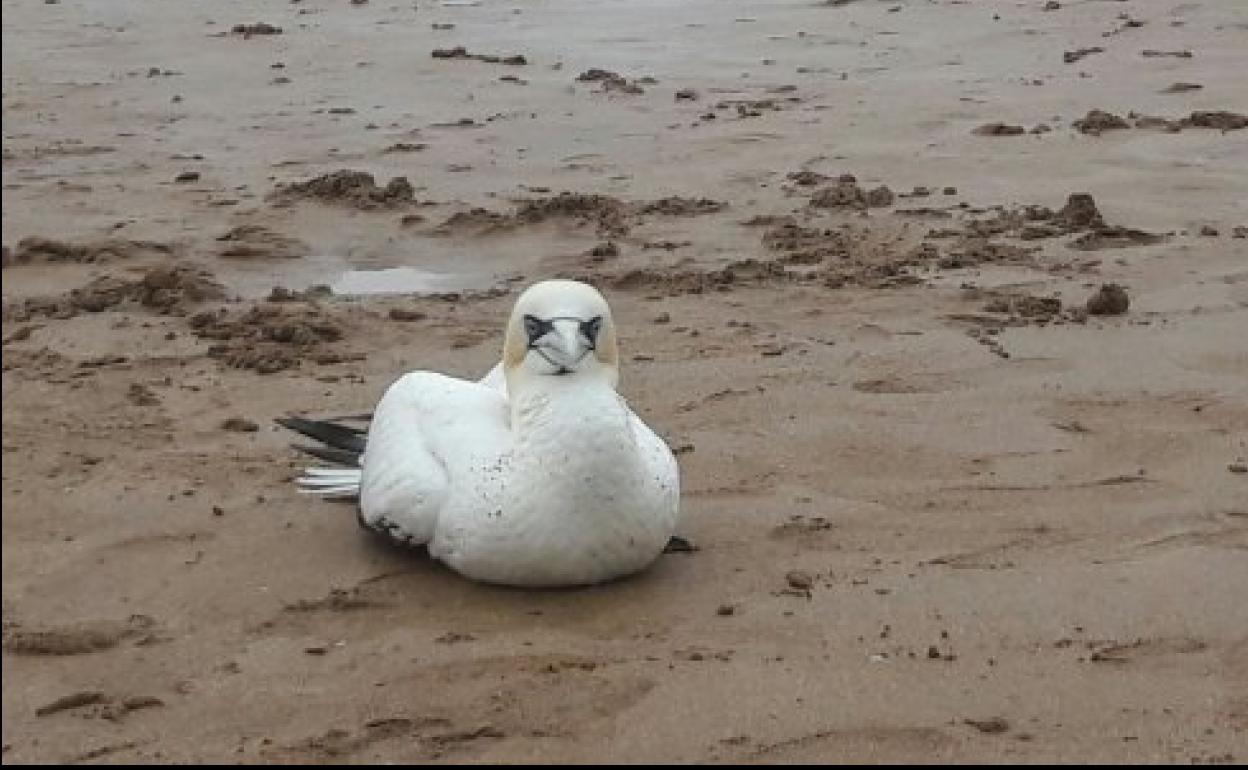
[
  {"x": 331, "y": 454},
  {"x": 328, "y": 433},
  {"x": 678, "y": 544}
]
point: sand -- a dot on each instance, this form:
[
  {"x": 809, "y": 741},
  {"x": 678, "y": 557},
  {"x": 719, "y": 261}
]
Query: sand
[{"x": 943, "y": 511}]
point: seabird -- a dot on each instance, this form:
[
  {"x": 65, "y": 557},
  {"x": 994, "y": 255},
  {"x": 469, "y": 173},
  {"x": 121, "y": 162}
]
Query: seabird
[{"x": 536, "y": 475}]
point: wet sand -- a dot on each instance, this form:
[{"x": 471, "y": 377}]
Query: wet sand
[{"x": 943, "y": 512}]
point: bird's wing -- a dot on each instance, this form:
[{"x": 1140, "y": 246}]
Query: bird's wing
[
  {"x": 495, "y": 379},
  {"x": 663, "y": 474},
  {"x": 436, "y": 445}
]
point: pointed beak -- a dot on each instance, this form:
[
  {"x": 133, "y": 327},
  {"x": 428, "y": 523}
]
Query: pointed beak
[{"x": 567, "y": 345}]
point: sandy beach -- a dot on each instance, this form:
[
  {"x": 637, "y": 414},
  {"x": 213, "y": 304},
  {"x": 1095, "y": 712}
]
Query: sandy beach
[{"x": 942, "y": 306}]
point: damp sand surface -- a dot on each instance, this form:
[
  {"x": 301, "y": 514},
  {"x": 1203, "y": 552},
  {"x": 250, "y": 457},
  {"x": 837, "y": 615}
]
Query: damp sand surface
[{"x": 940, "y": 305}]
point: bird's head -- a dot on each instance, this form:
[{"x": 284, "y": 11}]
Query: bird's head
[{"x": 561, "y": 329}]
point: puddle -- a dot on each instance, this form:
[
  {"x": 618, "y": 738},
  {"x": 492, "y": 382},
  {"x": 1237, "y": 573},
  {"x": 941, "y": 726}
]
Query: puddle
[
  {"x": 407, "y": 280},
  {"x": 348, "y": 277}
]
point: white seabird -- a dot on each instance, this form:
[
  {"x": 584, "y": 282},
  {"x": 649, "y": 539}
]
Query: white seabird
[{"x": 539, "y": 474}]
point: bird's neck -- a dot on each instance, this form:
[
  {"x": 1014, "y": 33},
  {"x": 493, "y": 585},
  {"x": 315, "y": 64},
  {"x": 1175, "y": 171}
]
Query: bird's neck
[{"x": 557, "y": 408}]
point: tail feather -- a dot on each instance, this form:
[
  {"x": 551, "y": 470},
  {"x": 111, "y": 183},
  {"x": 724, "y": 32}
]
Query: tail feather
[
  {"x": 350, "y": 491},
  {"x": 327, "y": 482},
  {"x": 342, "y": 444}
]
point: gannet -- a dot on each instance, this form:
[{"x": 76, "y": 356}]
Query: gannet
[{"x": 537, "y": 475}]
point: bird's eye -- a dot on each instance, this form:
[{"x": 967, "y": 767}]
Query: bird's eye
[
  {"x": 535, "y": 328},
  {"x": 591, "y": 328}
]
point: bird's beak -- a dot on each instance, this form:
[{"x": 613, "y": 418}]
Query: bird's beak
[{"x": 567, "y": 346}]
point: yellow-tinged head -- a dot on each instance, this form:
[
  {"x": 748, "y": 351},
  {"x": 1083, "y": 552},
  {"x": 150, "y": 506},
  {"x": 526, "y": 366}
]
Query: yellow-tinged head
[{"x": 561, "y": 329}]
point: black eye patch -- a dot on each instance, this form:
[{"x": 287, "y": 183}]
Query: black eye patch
[
  {"x": 536, "y": 328},
  {"x": 590, "y": 329}
]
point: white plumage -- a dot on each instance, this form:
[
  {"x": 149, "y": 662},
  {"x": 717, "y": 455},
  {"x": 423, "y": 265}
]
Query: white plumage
[{"x": 539, "y": 474}]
